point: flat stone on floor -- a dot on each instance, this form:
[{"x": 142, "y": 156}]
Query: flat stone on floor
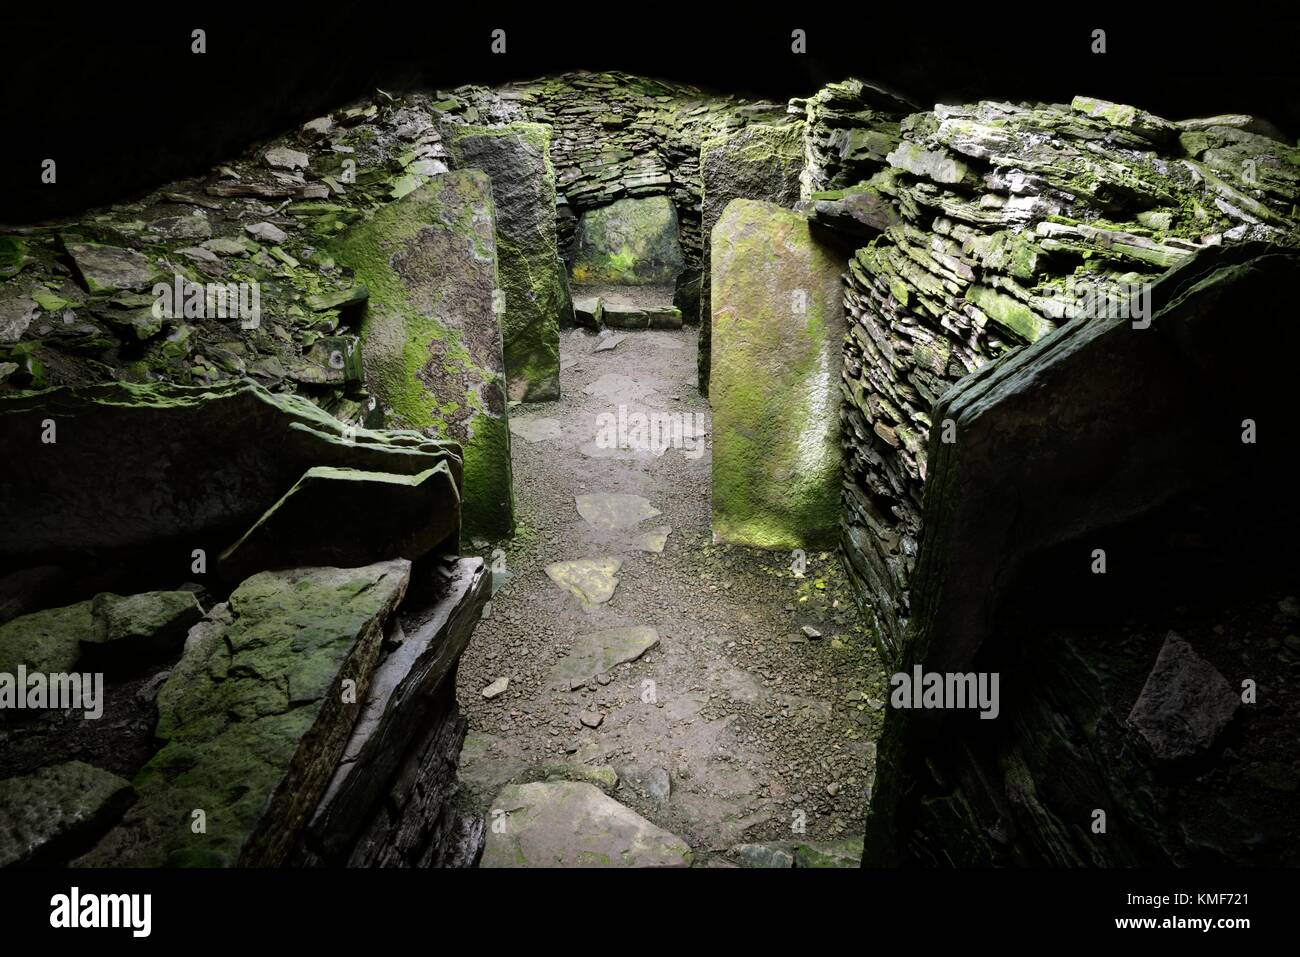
[
  {"x": 590, "y": 580},
  {"x": 569, "y": 824},
  {"x": 611, "y": 510},
  {"x": 536, "y": 430},
  {"x": 654, "y": 540},
  {"x": 598, "y": 652},
  {"x": 618, "y": 388}
]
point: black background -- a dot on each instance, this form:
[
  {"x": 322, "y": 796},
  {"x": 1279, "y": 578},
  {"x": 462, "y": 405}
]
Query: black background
[
  {"x": 870, "y": 911},
  {"x": 117, "y": 98}
]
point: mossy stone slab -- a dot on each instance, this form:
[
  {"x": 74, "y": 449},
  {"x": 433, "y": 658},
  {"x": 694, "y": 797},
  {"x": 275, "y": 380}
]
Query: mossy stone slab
[
  {"x": 630, "y": 242},
  {"x": 431, "y": 345},
  {"x": 51, "y": 810},
  {"x": 255, "y": 718},
  {"x": 534, "y": 289},
  {"x": 777, "y": 329}
]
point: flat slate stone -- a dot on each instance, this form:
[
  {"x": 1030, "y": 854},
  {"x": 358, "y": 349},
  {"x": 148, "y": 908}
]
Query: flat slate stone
[
  {"x": 347, "y": 517},
  {"x": 536, "y": 430},
  {"x": 254, "y": 720},
  {"x": 16, "y": 315},
  {"x": 125, "y": 430},
  {"x": 616, "y": 387},
  {"x": 109, "y": 269},
  {"x": 600, "y": 651},
  {"x": 612, "y": 510},
  {"x": 608, "y": 342},
  {"x": 46, "y": 813},
  {"x": 440, "y": 612},
  {"x": 654, "y": 540},
  {"x": 662, "y": 341},
  {"x": 570, "y": 824},
  {"x": 590, "y": 580}
]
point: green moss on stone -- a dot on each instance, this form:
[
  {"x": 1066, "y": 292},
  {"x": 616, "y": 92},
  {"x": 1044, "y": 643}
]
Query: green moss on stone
[
  {"x": 431, "y": 343},
  {"x": 777, "y": 326}
]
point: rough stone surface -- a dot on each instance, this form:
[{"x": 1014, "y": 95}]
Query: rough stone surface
[
  {"x": 587, "y": 311},
  {"x": 778, "y": 322},
  {"x": 410, "y": 703},
  {"x": 600, "y": 651},
  {"x": 47, "y": 641},
  {"x": 121, "y": 431},
  {"x": 431, "y": 340},
  {"x": 254, "y": 718},
  {"x": 139, "y": 626},
  {"x": 590, "y": 580},
  {"x": 55, "y": 810},
  {"x": 1065, "y": 404},
  {"x": 517, "y": 159},
  {"x": 568, "y": 824},
  {"x": 851, "y": 127},
  {"x": 1185, "y": 704},
  {"x": 631, "y": 242},
  {"x": 759, "y": 161},
  {"x": 981, "y": 229},
  {"x": 347, "y": 518},
  {"x": 108, "y": 269}
]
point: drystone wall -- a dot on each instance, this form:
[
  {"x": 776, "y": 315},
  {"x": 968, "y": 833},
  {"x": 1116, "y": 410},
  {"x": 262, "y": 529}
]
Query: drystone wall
[
  {"x": 616, "y": 136},
  {"x": 1129, "y": 615},
  {"x": 1009, "y": 260},
  {"x": 995, "y": 223}
]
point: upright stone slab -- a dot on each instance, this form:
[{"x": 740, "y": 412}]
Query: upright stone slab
[
  {"x": 759, "y": 161},
  {"x": 632, "y": 242},
  {"x": 778, "y": 325},
  {"x": 431, "y": 342},
  {"x": 517, "y": 158}
]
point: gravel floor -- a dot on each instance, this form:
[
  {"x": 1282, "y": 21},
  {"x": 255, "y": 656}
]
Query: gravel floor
[{"x": 765, "y": 734}]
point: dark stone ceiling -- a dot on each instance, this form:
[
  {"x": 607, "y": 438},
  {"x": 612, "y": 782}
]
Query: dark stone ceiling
[{"x": 122, "y": 104}]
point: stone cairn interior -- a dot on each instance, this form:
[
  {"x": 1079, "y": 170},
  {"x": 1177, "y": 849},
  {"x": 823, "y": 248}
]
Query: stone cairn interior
[{"x": 562, "y": 473}]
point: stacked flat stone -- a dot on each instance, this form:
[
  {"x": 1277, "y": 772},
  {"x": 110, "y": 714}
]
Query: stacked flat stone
[
  {"x": 996, "y": 223},
  {"x": 618, "y": 136}
]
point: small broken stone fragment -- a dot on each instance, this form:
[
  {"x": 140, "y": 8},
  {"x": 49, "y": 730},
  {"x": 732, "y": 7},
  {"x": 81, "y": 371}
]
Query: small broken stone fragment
[
  {"x": 267, "y": 232},
  {"x": 1185, "y": 704}
]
